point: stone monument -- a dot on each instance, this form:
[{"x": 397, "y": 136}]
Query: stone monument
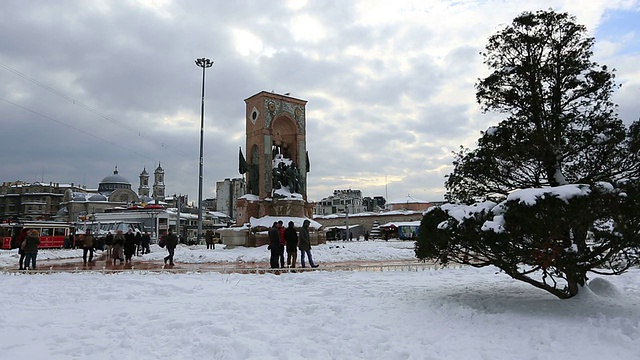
[{"x": 277, "y": 162}]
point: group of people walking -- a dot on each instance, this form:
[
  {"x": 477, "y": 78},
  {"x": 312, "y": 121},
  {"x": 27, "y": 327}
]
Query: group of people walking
[
  {"x": 281, "y": 239},
  {"x": 119, "y": 247}
]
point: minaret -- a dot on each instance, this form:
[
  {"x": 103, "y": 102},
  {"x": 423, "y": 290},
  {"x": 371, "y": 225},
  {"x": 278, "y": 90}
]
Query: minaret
[
  {"x": 158, "y": 184},
  {"x": 143, "y": 189}
]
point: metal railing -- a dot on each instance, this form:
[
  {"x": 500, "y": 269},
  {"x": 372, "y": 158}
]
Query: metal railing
[{"x": 194, "y": 269}]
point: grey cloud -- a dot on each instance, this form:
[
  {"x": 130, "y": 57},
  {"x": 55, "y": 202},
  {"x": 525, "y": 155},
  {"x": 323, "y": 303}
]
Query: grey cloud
[{"x": 137, "y": 68}]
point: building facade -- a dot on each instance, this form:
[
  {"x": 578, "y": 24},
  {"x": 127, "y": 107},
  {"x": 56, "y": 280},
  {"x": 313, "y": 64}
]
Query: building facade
[
  {"x": 20, "y": 200},
  {"x": 227, "y": 193},
  {"x": 342, "y": 201},
  {"x": 374, "y": 204},
  {"x": 409, "y": 203}
]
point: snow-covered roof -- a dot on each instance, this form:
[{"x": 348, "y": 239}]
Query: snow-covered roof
[
  {"x": 267, "y": 221},
  {"x": 408, "y": 200},
  {"x": 401, "y": 223},
  {"x": 218, "y": 214},
  {"x": 88, "y": 196},
  {"x": 391, "y": 212}
]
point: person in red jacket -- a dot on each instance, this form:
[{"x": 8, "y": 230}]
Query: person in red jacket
[{"x": 283, "y": 242}]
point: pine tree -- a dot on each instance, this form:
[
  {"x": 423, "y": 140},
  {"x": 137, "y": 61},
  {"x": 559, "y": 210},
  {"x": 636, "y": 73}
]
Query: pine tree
[{"x": 560, "y": 128}]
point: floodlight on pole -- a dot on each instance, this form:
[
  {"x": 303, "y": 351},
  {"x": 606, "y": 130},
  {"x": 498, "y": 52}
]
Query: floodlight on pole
[{"x": 204, "y": 63}]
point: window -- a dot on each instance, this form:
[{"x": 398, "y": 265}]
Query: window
[{"x": 46, "y": 232}]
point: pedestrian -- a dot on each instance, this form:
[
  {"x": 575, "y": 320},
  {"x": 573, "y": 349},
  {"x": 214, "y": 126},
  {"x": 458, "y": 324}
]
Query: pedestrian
[
  {"x": 208, "y": 237},
  {"x": 138, "y": 243},
  {"x": 118, "y": 244},
  {"x": 171, "y": 241},
  {"x": 146, "y": 242},
  {"x": 366, "y": 236},
  {"x": 274, "y": 245},
  {"x": 108, "y": 244},
  {"x": 283, "y": 242},
  {"x": 304, "y": 244},
  {"x": 68, "y": 242},
  {"x": 31, "y": 243},
  {"x": 129, "y": 246},
  {"x": 87, "y": 246},
  {"x": 291, "y": 238},
  {"x": 21, "y": 244}
]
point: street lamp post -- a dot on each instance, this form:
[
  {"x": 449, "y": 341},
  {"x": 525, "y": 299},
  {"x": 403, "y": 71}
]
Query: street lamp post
[{"x": 204, "y": 63}]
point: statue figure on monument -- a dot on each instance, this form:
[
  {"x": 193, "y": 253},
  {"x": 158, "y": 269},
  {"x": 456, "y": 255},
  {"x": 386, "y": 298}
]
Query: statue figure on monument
[
  {"x": 279, "y": 176},
  {"x": 298, "y": 180},
  {"x": 290, "y": 176},
  {"x": 252, "y": 185}
]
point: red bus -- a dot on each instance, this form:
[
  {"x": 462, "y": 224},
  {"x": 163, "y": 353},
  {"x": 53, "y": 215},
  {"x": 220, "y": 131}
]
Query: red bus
[{"x": 52, "y": 234}]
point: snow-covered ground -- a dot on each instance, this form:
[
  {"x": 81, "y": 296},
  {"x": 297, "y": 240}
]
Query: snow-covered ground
[{"x": 457, "y": 313}]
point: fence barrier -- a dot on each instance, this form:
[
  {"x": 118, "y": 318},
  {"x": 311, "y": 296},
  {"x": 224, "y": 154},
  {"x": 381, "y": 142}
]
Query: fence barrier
[{"x": 414, "y": 267}]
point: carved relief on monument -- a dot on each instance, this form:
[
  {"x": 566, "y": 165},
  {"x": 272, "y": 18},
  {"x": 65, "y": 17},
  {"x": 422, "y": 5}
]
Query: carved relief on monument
[{"x": 277, "y": 108}]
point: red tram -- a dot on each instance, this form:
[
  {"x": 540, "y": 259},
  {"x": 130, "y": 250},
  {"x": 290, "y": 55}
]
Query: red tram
[{"x": 52, "y": 234}]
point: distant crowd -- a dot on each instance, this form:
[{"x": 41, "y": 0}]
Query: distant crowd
[{"x": 121, "y": 247}]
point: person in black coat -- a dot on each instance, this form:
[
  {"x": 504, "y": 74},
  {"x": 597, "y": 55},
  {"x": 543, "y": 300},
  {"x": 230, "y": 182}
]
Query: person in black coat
[
  {"x": 291, "y": 239},
  {"x": 129, "y": 246},
  {"x": 108, "y": 244},
  {"x": 304, "y": 244},
  {"x": 171, "y": 241},
  {"x": 146, "y": 242},
  {"x": 139, "y": 243},
  {"x": 274, "y": 245},
  {"x": 23, "y": 255}
]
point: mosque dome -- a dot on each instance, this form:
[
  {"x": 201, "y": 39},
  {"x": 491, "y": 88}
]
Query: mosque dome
[
  {"x": 97, "y": 197},
  {"x": 113, "y": 182}
]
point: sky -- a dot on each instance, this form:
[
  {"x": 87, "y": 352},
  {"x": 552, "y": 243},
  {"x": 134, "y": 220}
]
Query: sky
[
  {"x": 452, "y": 313},
  {"x": 88, "y": 86}
]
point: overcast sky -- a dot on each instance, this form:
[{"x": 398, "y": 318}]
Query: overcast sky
[{"x": 89, "y": 85}]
